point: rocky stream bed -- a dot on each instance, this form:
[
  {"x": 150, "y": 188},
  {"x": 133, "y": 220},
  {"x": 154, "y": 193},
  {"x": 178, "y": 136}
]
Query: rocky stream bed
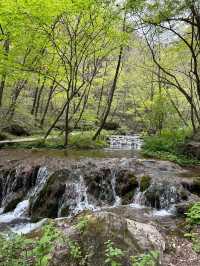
[{"x": 137, "y": 203}]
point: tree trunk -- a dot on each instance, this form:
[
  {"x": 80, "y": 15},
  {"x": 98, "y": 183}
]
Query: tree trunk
[
  {"x": 66, "y": 125},
  {"x": 38, "y": 99},
  {"x": 20, "y": 85},
  {"x": 47, "y": 104},
  {"x": 113, "y": 88},
  {"x": 6, "y": 47}
]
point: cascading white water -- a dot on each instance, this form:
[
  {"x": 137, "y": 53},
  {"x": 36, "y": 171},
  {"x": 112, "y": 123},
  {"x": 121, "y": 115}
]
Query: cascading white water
[
  {"x": 42, "y": 176},
  {"x": 19, "y": 212},
  {"x": 117, "y": 199},
  {"x": 138, "y": 201},
  {"x": 81, "y": 200},
  {"x": 125, "y": 142}
]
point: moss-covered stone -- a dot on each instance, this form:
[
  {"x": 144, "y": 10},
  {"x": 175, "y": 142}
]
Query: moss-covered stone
[
  {"x": 145, "y": 182},
  {"x": 126, "y": 183}
]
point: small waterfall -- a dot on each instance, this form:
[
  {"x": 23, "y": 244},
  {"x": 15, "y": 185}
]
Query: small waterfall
[
  {"x": 139, "y": 199},
  {"x": 41, "y": 179},
  {"x": 117, "y": 199},
  {"x": 161, "y": 197},
  {"x": 21, "y": 211},
  {"x": 133, "y": 142},
  {"x": 81, "y": 198}
]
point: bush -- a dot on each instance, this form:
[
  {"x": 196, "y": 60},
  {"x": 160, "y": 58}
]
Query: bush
[
  {"x": 193, "y": 215},
  {"x": 19, "y": 250},
  {"x": 168, "y": 146},
  {"x": 168, "y": 141}
]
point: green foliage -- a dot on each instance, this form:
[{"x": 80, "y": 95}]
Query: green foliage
[
  {"x": 167, "y": 146},
  {"x": 113, "y": 254},
  {"x": 149, "y": 259},
  {"x": 19, "y": 250},
  {"x": 194, "y": 237},
  {"x": 167, "y": 141},
  {"x": 193, "y": 215},
  {"x": 75, "y": 250},
  {"x": 82, "y": 224},
  {"x": 145, "y": 182},
  {"x": 83, "y": 140}
]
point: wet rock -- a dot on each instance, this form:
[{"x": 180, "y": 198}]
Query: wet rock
[
  {"x": 126, "y": 183},
  {"x": 99, "y": 185},
  {"x": 11, "y": 201},
  {"x": 2, "y": 136},
  {"x": 145, "y": 182},
  {"x": 163, "y": 195},
  {"x": 195, "y": 187},
  {"x": 46, "y": 200},
  {"x": 15, "y": 184}
]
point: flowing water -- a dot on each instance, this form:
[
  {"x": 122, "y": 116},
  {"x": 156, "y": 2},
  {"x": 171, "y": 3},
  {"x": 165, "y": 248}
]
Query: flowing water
[{"x": 79, "y": 199}]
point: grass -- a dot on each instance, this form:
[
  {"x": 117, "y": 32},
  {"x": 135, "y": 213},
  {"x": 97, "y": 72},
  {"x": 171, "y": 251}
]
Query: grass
[
  {"x": 167, "y": 146},
  {"x": 79, "y": 140}
]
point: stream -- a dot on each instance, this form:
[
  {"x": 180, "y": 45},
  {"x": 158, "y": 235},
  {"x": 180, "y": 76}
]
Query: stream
[{"x": 37, "y": 184}]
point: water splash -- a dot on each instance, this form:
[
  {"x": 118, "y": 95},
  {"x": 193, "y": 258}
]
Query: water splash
[{"x": 21, "y": 211}]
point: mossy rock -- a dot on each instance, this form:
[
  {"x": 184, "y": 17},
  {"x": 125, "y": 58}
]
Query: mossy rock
[
  {"x": 126, "y": 183},
  {"x": 145, "y": 182}
]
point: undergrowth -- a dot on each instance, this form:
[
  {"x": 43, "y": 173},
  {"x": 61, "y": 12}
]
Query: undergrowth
[{"x": 168, "y": 146}]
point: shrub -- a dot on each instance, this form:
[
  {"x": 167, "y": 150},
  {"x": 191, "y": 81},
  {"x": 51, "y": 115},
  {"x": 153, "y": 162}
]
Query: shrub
[
  {"x": 167, "y": 141},
  {"x": 149, "y": 259},
  {"x": 168, "y": 146},
  {"x": 193, "y": 215},
  {"x": 113, "y": 254}
]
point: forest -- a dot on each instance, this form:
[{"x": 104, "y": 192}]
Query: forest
[
  {"x": 92, "y": 65},
  {"x": 78, "y": 77}
]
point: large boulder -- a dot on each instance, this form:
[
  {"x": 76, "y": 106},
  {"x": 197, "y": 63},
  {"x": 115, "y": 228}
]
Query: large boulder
[{"x": 131, "y": 237}]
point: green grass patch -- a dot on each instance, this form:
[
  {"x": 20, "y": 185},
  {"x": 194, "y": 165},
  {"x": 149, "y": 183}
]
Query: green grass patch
[
  {"x": 167, "y": 146},
  {"x": 78, "y": 140}
]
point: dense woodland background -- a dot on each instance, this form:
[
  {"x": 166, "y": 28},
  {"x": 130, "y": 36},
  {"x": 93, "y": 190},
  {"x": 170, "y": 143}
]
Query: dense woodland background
[{"x": 130, "y": 66}]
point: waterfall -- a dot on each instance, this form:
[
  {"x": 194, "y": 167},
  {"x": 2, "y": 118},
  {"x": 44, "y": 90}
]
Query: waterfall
[
  {"x": 139, "y": 199},
  {"x": 125, "y": 142},
  {"x": 21, "y": 211},
  {"x": 81, "y": 198},
  {"x": 117, "y": 199},
  {"x": 41, "y": 179}
]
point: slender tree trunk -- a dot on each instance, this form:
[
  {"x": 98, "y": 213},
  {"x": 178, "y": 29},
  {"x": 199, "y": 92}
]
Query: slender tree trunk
[
  {"x": 66, "y": 125},
  {"x": 35, "y": 97},
  {"x": 47, "y": 104},
  {"x": 38, "y": 99},
  {"x": 6, "y": 47},
  {"x": 113, "y": 88},
  {"x": 56, "y": 120},
  {"x": 20, "y": 85},
  {"x": 101, "y": 92}
]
